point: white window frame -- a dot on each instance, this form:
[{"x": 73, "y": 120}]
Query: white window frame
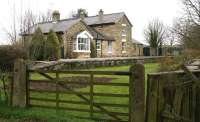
[
  {"x": 123, "y": 33},
  {"x": 123, "y": 40},
  {"x": 98, "y": 44},
  {"x": 109, "y": 46},
  {"x": 84, "y": 43},
  {"x": 123, "y": 47},
  {"x": 83, "y": 38}
]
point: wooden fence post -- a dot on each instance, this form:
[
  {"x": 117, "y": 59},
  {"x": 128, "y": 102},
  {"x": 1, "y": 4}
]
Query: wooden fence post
[
  {"x": 137, "y": 93},
  {"x": 19, "y": 84}
]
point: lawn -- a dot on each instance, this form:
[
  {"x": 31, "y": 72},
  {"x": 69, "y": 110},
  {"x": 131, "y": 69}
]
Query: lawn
[{"x": 53, "y": 115}]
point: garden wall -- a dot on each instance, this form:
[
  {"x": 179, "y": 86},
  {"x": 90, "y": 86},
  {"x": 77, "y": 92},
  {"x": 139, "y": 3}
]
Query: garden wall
[{"x": 70, "y": 64}]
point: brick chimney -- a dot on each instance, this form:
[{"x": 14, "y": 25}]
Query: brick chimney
[
  {"x": 82, "y": 15},
  {"x": 100, "y": 15},
  {"x": 55, "y": 16}
]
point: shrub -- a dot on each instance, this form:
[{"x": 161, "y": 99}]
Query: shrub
[
  {"x": 52, "y": 47},
  {"x": 174, "y": 63},
  {"x": 8, "y": 54},
  {"x": 37, "y": 45},
  {"x": 93, "y": 53}
]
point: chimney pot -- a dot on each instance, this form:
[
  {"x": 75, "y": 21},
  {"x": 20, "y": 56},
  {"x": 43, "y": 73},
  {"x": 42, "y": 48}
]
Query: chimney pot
[
  {"x": 55, "y": 16},
  {"x": 82, "y": 16},
  {"x": 100, "y": 14}
]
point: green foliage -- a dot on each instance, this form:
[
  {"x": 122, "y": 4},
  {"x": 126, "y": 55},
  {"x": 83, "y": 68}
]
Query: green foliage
[
  {"x": 37, "y": 45},
  {"x": 93, "y": 53},
  {"x": 60, "y": 38},
  {"x": 81, "y": 12},
  {"x": 175, "y": 63},
  {"x": 52, "y": 47},
  {"x": 10, "y": 114}
]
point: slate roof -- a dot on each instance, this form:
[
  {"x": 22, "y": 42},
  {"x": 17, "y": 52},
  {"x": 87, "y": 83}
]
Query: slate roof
[
  {"x": 107, "y": 18},
  {"x": 59, "y": 26},
  {"x": 63, "y": 25}
]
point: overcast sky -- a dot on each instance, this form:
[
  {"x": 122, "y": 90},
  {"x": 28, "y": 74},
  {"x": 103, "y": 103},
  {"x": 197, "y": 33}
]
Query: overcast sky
[{"x": 139, "y": 12}]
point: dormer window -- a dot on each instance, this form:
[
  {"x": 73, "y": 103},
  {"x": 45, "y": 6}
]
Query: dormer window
[{"x": 82, "y": 42}]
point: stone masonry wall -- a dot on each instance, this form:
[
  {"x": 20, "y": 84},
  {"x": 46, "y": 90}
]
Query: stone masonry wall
[
  {"x": 68, "y": 41},
  {"x": 73, "y": 64},
  {"x": 115, "y": 30}
]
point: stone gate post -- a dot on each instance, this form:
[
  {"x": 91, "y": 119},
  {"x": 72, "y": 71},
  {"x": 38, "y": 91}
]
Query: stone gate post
[
  {"x": 19, "y": 84},
  {"x": 137, "y": 93}
]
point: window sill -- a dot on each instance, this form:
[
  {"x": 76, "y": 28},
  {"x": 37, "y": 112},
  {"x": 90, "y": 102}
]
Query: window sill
[
  {"x": 109, "y": 52},
  {"x": 123, "y": 40},
  {"x": 81, "y": 51},
  {"x": 124, "y": 25},
  {"x": 123, "y": 51},
  {"x": 98, "y": 49},
  {"x": 123, "y": 35}
]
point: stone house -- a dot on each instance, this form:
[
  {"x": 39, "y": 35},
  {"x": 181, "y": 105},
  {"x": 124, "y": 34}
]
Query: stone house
[{"x": 106, "y": 35}]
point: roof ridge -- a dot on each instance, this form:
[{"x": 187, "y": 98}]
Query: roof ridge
[
  {"x": 58, "y": 20},
  {"x": 74, "y": 18},
  {"x": 106, "y": 14}
]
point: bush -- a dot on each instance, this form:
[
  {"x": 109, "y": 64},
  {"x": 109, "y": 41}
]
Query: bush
[
  {"x": 174, "y": 63},
  {"x": 8, "y": 54},
  {"x": 52, "y": 47},
  {"x": 37, "y": 45}
]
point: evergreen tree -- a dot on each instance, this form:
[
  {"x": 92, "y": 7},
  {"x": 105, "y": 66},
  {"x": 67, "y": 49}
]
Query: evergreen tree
[
  {"x": 37, "y": 45},
  {"x": 81, "y": 12},
  {"x": 52, "y": 47},
  {"x": 93, "y": 53}
]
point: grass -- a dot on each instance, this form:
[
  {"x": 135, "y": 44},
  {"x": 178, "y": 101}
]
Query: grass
[
  {"x": 13, "y": 114},
  {"x": 54, "y": 116}
]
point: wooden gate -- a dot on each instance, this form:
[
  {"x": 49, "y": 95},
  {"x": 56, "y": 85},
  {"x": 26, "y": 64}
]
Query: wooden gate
[
  {"x": 173, "y": 96},
  {"x": 130, "y": 111}
]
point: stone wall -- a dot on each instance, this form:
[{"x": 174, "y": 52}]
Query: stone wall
[
  {"x": 68, "y": 44},
  {"x": 70, "y": 64},
  {"x": 111, "y": 30},
  {"x": 115, "y": 31}
]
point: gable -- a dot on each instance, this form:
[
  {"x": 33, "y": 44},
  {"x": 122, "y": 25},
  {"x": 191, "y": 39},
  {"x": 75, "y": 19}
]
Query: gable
[
  {"x": 82, "y": 26},
  {"x": 84, "y": 34},
  {"x": 125, "y": 20}
]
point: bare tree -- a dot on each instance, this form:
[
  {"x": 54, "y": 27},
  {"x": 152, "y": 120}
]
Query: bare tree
[
  {"x": 192, "y": 11},
  {"x": 11, "y": 31},
  {"x": 154, "y": 35},
  {"x": 187, "y": 28},
  {"x": 45, "y": 17}
]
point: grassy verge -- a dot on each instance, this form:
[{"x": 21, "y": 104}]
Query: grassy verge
[{"x": 57, "y": 116}]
